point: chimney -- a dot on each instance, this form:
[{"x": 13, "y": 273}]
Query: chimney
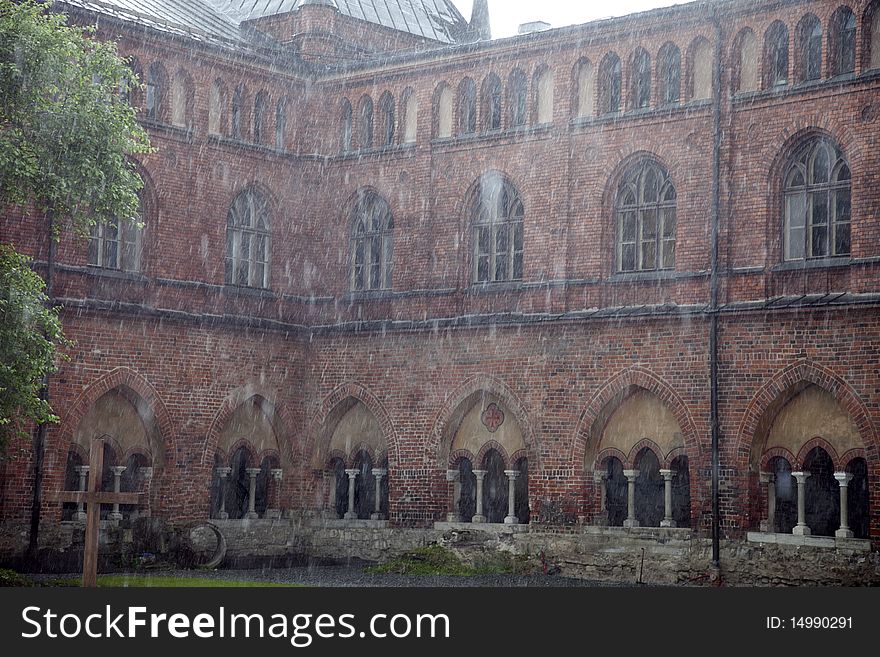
[
  {"x": 480, "y": 28},
  {"x": 534, "y": 26}
]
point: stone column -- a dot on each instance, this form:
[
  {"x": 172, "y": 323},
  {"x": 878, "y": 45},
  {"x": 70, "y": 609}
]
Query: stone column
[
  {"x": 252, "y": 493},
  {"x": 843, "y": 478},
  {"x": 455, "y": 477},
  {"x": 274, "y": 511},
  {"x": 801, "y": 529},
  {"x": 223, "y": 473},
  {"x": 600, "y": 479},
  {"x": 378, "y": 473},
  {"x": 768, "y": 525},
  {"x": 351, "y": 514},
  {"x": 479, "y": 517},
  {"x": 117, "y": 470},
  {"x": 83, "y": 472},
  {"x": 667, "y": 499},
  {"x": 631, "y": 498},
  {"x": 511, "y": 518}
]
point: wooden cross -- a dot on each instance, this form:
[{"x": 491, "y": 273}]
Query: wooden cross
[{"x": 94, "y": 498}]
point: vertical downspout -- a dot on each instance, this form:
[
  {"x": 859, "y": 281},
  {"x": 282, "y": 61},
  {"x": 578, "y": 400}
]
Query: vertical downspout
[{"x": 713, "y": 302}]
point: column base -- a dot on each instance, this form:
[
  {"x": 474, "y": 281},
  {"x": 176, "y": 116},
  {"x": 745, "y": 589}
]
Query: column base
[
  {"x": 350, "y": 515},
  {"x": 844, "y": 533},
  {"x": 630, "y": 523},
  {"x": 453, "y": 517},
  {"x": 273, "y": 514},
  {"x": 377, "y": 516},
  {"x": 801, "y": 530},
  {"x": 478, "y": 519},
  {"x": 667, "y": 523},
  {"x": 223, "y": 516},
  {"x": 252, "y": 515},
  {"x": 511, "y": 520}
]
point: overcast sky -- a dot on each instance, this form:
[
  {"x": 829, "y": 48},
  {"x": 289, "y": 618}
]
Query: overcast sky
[{"x": 507, "y": 15}]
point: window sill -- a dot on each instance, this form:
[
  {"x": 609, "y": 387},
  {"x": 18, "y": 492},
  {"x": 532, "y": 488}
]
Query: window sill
[
  {"x": 180, "y": 132},
  {"x": 369, "y": 295},
  {"x": 240, "y": 290},
  {"x": 519, "y": 131},
  {"x": 641, "y": 113},
  {"x": 377, "y": 151},
  {"x": 500, "y": 286},
  {"x": 222, "y": 140},
  {"x": 655, "y": 275},
  {"x": 106, "y": 272},
  {"x": 817, "y": 263},
  {"x": 784, "y": 90}
]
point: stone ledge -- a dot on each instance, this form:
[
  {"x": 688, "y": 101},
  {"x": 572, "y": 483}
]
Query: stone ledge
[
  {"x": 827, "y": 542},
  {"x": 330, "y": 523},
  {"x": 487, "y": 527}
]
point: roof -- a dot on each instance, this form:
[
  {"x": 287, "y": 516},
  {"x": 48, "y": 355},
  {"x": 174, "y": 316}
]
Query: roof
[{"x": 438, "y": 20}]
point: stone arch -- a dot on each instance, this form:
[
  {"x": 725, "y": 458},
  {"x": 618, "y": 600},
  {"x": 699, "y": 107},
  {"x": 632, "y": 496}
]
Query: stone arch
[
  {"x": 777, "y": 452},
  {"x": 498, "y": 447},
  {"x": 810, "y": 445},
  {"x": 640, "y": 447}
]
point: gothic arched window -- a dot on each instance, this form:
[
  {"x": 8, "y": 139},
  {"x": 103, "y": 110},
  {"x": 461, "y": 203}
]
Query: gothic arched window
[
  {"x": 491, "y": 103},
  {"x": 609, "y": 84},
  {"x": 776, "y": 55},
  {"x": 387, "y": 119},
  {"x": 817, "y": 202},
  {"x": 371, "y": 243},
  {"x": 247, "y": 240},
  {"x": 467, "y": 107},
  {"x": 261, "y": 109},
  {"x": 117, "y": 245},
  {"x": 497, "y": 212},
  {"x": 645, "y": 219},
  {"x": 640, "y": 71},
  {"x": 157, "y": 90},
  {"x": 518, "y": 94},
  {"x": 842, "y": 41},
  {"x": 669, "y": 72},
  {"x": 346, "y": 126},
  {"x": 366, "y": 118},
  {"x": 809, "y": 49},
  {"x": 871, "y": 38}
]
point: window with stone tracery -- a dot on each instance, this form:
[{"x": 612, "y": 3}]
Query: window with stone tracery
[
  {"x": 497, "y": 211},
  {"x": 646, "y": 219},
  {"x": 371, "y": 243},
  {"x": 247, "y": 240}
]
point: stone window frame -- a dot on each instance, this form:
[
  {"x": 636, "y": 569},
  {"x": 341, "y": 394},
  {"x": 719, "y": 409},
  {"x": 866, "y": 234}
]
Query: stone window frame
[
  {"x": 777, "y": 60},
  {"x": 372, "y": 243},
  {"x": 632, "y": 205},
  {"x": 118, "y": 245},
  {"x": 842, "y": 30},
  {"x": 248, "y": 221},
  {"x": 669, "y": 75},
  {"x": 808, "y": 66},
  {"x": 498, "y": 225}
]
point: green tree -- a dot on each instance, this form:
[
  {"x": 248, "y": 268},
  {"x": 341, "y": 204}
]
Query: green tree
[{"x": 29, "y": 334}]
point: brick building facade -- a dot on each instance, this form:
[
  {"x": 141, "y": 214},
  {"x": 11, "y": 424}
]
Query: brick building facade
[{"x": 396, "y": 256}]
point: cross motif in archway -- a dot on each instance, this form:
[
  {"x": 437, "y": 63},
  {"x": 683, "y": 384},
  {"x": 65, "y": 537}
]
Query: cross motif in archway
[
  {"x": 94, "y": 498},
  {"x": 492, "y": 418}
]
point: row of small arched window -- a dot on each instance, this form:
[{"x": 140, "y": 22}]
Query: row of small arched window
[{"x": 816, "y": 188}]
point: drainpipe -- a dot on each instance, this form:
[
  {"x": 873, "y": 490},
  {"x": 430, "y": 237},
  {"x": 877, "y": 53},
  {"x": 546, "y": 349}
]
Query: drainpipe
[{"x": 713, "y": 301}]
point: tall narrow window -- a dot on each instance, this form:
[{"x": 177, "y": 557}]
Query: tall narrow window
[
  {"x": 842, "y": 35},
  {"x": 217, "y": 109},
  {"x": 182, "y": 100},
  {"x": 669, "y": 72},
  {"x": 776, "y": 55},
  {"x": 699, "y": 70},
  {"x": 610, "y": 84},
  {"x": 640, "y": 67},
  {"x": 544, "y": 89},
  {"x": 518, "y": 96},
  {"x": 366, "y": 118},
  {"x": 497, "y": 212},
  {"x": 872, "y": 36},
  {"x": 371, "y": 243},
  {"x": 237, "y": 110},
  {"x": 817, "y": 202},
  {"x": 387, "y": 119},
  {"x": 157, "y": 89},
  {"x": 261, "y": 109},
  {"x": 410, "y": 116},
  {"x": 247, "y": 240},
  {"x": 491, "y": 103},
  {"x": 809, "y": 37},
  {"x": 467, "y": 107},
  {"x": 443, "y": 111},
  {"x": 645, "y": 219},
  {"x": 745, "y": 74},
  {"x": 346, "y": 126},
  {"x": 280, "y": 124},
  {"x": 117, "y": 245},
  {"x": 585, "y": 92}
]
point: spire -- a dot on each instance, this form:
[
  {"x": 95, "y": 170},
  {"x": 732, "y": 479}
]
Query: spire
[{"x": 480, "y": 28}]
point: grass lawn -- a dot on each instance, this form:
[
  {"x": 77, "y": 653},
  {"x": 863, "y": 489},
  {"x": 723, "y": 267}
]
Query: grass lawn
[{"x": 166, "y": 581}]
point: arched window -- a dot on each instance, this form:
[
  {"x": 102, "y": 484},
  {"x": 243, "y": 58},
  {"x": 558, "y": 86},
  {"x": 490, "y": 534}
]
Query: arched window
[
  {"x": 497, "y": 213},
  {"x": 387, "y": 121},
  {"x": 237, "y": 111},
  {"x": 129, "y": 91},
  {"x": 521, "y": 491},
  {"x": 117, "y": 245},
  {"x": 467, "y": 107},
  {"x": 585, "y": 91},
  {"x": 247, "y": 240},
  {"x": 132, "y": 480},
  {"x": 776, "y": 55},
  {"x": 699, "y": 70},
  {"x": 157, "y": 89},
  {"x": 182, "y": 100},
  {"x": 280, "y": 124},
  {"x": 785, "y": 490},
  {"x": 871, "y": 39},
  {"x": 859, "y": 512},
  {"x": 410, "y": 116},
  {"x": 640, "y": 72},
  {"x": 809, "y": 41},
  {"x": 238, "y": 486},
  {"x": 615, "y": 493},
  {"x": 491, "y": 103},
  {"x": 544, "y": 89},
  {"x": 266, "y": 493},
  {"x": 649, "y": 502},
  {"x": 346, "y": 126},
  {"x": 72, "y": 481},
  {"x": 443, "y": 111},
  {"x": 681, "y": 492},
  {"x": 817, "y": 202},
  {"x": 842, "y": 41},
  {"x": 669, "y": 74},
  {"x": 609, "y": 84},
  {"x": 495, "y": 488},
  {"x": 518, "y": 95},
  {"x": 339, "y": 487},
  {"x": 645, "y": 219},
  {"x": 366, "y": 118},
  {"x": 261, "y": 110},
  {"x": 745, "y": 73},
  {"x": 371, "y": 243},
  {"x": 364, "y": 486},
  {"x": 467, "y": 506},
  {"x": 217, "y": 109},
  {"x": 822, "y": 494}
]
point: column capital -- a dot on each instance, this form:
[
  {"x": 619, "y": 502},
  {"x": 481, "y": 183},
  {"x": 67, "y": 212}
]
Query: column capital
[
  {"x": 222, "y": 472},
  {"x": 82, "y": 469},
  {"x": 479, "y": 474},
  {"x": 512, "y": 474},
  {"x": 767, "y": 477},
  {"x": 843, "y": 478},
  {"x": 277, "y": 473},
  {"x": 453, "y": 475},
  {"x": 117, "y": 470},
  {"x": 801, "y": 476},
  {"x": 352, "y": 472},
  {"x": 630, "y": 474},
  {"x": 667, "y": 474},
  {"x": 380, "y": 472},
  {"x": 253, "y": 472}
]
